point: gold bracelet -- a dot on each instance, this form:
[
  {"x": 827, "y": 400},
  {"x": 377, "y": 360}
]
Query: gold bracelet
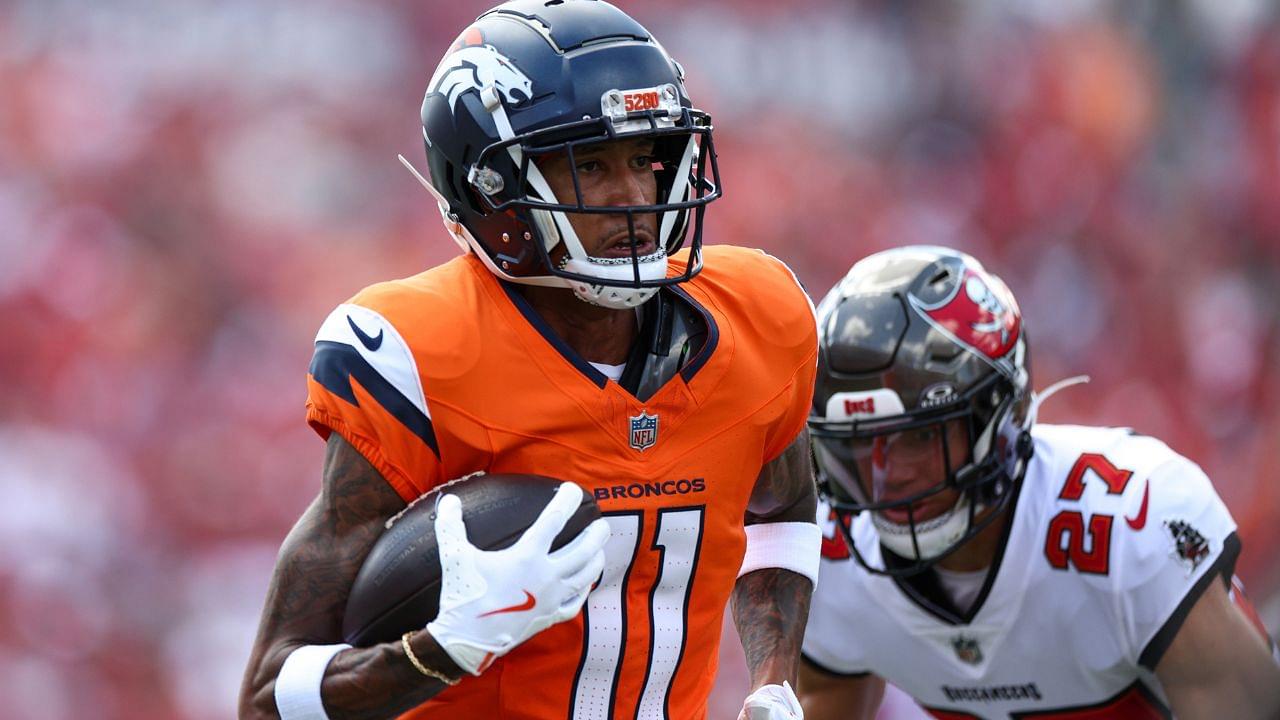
[{"x": 436, "y": 674}]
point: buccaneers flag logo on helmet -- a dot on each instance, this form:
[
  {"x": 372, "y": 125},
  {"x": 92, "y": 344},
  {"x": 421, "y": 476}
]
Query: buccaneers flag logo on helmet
[{"x": 979, "y": 313}]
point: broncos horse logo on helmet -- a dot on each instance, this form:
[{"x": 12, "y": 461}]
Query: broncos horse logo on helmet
[{"x": 477, "y": 67}]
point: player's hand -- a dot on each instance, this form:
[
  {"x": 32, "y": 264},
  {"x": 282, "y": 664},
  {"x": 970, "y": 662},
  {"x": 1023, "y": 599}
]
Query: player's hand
[
  {"x": 772, "y": 702},
  {"x": 491, "y": 601}
]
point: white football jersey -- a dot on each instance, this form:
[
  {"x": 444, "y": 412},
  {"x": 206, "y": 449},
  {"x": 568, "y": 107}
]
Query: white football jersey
[{"x": 1113, "y": 538}]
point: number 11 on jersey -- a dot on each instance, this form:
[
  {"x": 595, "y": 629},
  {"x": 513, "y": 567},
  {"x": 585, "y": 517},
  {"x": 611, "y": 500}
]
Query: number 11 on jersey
[{"x": 677, "y": 540}]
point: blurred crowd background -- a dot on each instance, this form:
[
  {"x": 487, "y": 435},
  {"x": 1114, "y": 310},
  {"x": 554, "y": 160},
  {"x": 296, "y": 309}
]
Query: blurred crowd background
[{"x": 187, "y": 188}]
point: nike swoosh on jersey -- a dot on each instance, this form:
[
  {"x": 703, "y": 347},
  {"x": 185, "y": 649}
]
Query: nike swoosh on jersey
[
  {"x": 373, "y": 343},
  {"x": 529, "y": 602},
  {"x": 1137, "y": 523}
]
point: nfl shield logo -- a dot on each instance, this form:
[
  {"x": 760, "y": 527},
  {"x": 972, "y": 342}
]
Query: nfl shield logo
[
  {"x": 644, "y": 430},
  {"x": 967, "y": 649}
]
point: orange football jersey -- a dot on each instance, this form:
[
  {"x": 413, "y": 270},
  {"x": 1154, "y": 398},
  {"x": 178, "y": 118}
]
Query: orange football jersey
[{"x": 449, "y": 372}]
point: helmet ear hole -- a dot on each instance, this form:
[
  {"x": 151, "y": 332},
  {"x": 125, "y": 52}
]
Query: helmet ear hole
[{"x": 463, "y": 193}]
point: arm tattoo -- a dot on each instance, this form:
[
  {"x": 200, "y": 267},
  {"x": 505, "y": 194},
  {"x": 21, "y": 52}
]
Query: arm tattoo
[
  {"x": 770, "y": 609},
  {"x": 771, "y": 605},
  {"x": 307, "y": 597}
]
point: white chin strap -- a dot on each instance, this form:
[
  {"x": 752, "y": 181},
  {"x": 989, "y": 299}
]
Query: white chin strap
[
  {"x": 935, "y": 536},
  {"x": 652, "y": 267}
]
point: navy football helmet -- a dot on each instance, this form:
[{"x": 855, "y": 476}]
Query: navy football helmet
[
  {"x": 922, "y": 409},
  {"x": 533, "y": 78}
]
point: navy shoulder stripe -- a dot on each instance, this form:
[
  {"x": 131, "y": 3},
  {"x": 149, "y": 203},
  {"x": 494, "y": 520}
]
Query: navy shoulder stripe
[{"x": 334, "y": 364}]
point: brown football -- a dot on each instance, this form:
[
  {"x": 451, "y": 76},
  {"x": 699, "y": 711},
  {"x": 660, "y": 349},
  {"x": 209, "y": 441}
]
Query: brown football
[{"x": 398, "y": 587}]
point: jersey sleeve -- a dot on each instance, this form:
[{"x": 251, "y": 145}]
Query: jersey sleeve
[
  {"x": 830, "y": 644},
  {"x": 796, "y": 308},
  {"x": 1176, "y": 537},
  {"x": 364, "y": 384}
]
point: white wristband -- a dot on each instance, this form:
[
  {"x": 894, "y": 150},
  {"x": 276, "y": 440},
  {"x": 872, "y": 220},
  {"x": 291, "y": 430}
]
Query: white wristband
[
  {"x": 298, "y": 684},
  {"x": 794, "y": 546}
]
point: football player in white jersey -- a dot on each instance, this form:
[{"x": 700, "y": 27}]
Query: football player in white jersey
[{"x": 993, "y": 567}]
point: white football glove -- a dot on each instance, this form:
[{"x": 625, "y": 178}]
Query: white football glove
[
  {"x": 491, "y": 601},
  {"x": 772, "y": 702}
]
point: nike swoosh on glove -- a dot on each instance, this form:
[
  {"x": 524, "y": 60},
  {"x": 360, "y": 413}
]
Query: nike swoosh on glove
[
  {"x": 493, "y": 600},
  {"x": 772, "y": 702}
]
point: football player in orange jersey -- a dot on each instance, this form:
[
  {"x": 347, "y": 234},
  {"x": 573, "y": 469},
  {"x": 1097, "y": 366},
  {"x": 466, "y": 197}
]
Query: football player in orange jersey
[{"x": 576, "y": 337}]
